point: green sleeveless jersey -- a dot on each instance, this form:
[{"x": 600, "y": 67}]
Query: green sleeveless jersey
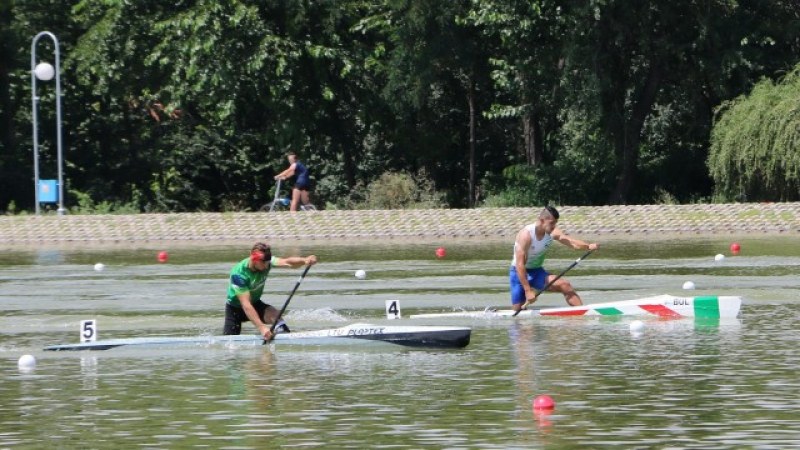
[{"x": 243, "y": 279}]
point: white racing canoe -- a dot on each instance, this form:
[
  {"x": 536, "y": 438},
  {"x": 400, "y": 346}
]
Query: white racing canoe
[
  {"x": 408, "y": 336},
  {"x": 661, "y": 305}
]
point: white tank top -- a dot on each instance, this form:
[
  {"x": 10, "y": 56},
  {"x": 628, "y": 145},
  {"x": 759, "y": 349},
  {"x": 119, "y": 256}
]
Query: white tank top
[{"x": 536, "y": 252}]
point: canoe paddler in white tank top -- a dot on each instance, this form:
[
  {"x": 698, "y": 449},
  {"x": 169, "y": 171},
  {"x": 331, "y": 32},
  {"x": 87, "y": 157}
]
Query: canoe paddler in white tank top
[{"x": 527, "y": 276}]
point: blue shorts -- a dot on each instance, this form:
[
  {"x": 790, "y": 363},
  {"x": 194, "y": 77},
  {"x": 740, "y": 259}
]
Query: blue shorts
[{"x": 537, "y": 278}]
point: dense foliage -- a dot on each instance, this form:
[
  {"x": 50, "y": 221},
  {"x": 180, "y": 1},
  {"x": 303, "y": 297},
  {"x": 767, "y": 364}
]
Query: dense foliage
[
  {"x": 755, "y": 146},
  {"x": 192, "y": 104}
]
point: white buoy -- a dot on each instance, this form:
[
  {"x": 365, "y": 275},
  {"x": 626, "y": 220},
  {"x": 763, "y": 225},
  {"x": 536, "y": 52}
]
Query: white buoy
[
  {"x": 360, "y": 274},
  {"x": 637, "y": 326},
  {"x": 719, "y": 257},
  {"x": 689, "y": 285},
  {"x": 26, "y": 362},
  {"x": 99, "y": 267}
]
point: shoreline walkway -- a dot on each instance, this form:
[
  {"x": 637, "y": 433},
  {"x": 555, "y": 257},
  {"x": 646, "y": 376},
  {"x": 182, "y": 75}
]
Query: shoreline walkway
[{"x": 651, "y": 221}]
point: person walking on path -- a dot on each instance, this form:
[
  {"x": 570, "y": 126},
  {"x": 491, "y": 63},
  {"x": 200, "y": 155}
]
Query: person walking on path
[
  {"x": 299, "y": 171},
  {"x": 246, "y": 285},
  {"x": 527, "y": 275}
]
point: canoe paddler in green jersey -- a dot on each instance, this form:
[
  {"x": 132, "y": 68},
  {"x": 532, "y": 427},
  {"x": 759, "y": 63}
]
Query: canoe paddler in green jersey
[
  {"x": 245, "y": 286},
  {"x": 527, "y": 276}
]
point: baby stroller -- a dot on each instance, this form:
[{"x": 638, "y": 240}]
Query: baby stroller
[{"x": 283, "y": 202}]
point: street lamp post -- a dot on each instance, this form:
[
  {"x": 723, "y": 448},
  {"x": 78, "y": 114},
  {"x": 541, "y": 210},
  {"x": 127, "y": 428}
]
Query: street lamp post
[{"x": 45, "y": 72}]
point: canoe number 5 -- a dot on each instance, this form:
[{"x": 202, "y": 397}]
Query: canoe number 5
[{"x": 88, "y": 330}]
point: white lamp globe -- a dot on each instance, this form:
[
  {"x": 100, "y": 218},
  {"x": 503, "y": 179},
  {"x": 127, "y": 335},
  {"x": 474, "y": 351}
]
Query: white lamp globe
[{"x": 44, "y": 71}]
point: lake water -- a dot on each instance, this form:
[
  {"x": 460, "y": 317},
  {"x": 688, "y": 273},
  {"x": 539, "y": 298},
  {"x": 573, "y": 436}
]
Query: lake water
[{"x": 681, "y": 384}]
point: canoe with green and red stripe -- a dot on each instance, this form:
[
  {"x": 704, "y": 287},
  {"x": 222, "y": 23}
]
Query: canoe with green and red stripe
[{"x": 710, "y": 306}]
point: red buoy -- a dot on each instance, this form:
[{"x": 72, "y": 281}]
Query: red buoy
[
  {"x": 163, "y": 257},
  {"x": 736, "y": 248},
  {"x": 441, "y": 252},
  {"x": 543, "y": 402}
]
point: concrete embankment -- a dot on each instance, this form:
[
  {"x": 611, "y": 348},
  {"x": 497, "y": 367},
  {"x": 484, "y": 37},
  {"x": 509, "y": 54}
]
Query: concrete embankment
[{"x": 652, "y": 221}]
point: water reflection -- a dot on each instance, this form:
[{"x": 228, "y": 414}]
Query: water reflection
[
  {"x": 682, "y": 383},
  {"x": 49, "y": 257}
]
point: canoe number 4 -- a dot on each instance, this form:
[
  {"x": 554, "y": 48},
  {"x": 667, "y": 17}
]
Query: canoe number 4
[{"x": 393, "y": 309}]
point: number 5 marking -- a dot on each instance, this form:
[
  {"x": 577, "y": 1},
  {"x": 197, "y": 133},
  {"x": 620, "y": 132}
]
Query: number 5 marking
[{"x": 88, "y": 330}]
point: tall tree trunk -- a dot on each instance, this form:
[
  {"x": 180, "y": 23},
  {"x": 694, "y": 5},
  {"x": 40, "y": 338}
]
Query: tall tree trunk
[
  {"x": 6, "y": 115},
  {"x": 349, "y": 166},
  {"x": 628, "y": 142},
  {"x": 340, "y": 135},
  {"x": 8, "y": 150},
  {"x": 532, "y": 133},
  {"x": 6, "y": 58},
  {"x": 472, "y": 169}
]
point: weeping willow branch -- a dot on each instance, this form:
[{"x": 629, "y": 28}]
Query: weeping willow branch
[{"x": 755, "y": 143}]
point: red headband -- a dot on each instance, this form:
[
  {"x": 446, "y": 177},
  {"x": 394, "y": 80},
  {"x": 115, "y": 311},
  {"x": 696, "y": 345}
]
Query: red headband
[{"x": 257, "y": 256}]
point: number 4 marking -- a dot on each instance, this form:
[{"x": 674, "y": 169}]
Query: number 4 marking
[{"x": 393, "y": 309}]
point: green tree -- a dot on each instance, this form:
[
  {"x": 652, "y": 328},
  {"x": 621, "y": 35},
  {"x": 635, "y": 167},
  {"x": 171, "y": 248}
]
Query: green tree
[
  {"x": 627, "y": 86},
  {"x": 436, "y": 74},
  {"x": 555, "y": 136},
  {"x": 220, "y": 90},
  {"x": 638, "y": 55},
  {"x": 191, "y": 105},
  {"x": 8, "y": 137},
  {"x": 754, "y": 145},
  {"x": 527, "y": 67}
]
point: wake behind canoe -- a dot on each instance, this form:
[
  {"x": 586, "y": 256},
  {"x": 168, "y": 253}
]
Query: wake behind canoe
[
  {"x": 661, "y": 305},
  {"x": 407, "y": 336}
]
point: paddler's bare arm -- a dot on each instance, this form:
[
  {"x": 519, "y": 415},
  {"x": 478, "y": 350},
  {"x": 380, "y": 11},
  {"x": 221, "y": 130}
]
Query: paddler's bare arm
[
  {"x": 252, "y": 314},
  {"x": 575, "y": 243},
  {"x": 297, "y": 261}
]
